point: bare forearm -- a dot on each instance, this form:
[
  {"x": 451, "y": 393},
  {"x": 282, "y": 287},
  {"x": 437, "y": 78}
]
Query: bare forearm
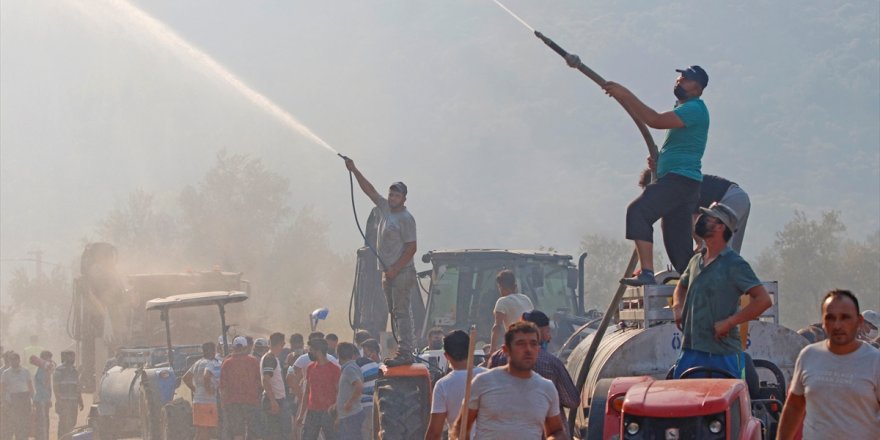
[
  {"x": 792, "y": 417},
  {"x": 756, "y": 307},
  {"x": 365, "y": 185},
  {"x": 267, "y": 388},
  {"x": 408, "y": 252}
]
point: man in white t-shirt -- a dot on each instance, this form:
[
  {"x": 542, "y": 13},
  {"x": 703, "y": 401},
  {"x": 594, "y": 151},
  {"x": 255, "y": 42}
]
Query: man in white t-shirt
[
  {"x": 509, "y": 307},
  {"x": 513, "y": 402},
  {"x": 449, "y": 390},
  {"x": 835, "y": 387}
]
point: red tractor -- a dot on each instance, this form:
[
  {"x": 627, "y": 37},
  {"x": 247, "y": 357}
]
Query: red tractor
[{"x": 645, "y": 408}]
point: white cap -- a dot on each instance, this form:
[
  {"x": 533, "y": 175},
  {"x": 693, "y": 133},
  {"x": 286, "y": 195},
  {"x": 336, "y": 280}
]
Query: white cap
[
  {"x": 872, "y": 318},
  {"x": 239, "y": 341}
]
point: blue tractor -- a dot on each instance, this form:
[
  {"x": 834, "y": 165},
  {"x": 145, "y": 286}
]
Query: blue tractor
[{"x": 136, "y": 396}]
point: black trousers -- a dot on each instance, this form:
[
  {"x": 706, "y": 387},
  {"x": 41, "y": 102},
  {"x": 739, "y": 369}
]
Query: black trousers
[{"x": 673, "y": 200}]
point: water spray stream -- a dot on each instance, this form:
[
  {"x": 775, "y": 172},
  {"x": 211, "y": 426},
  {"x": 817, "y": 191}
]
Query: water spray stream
[
  {"x": 134, "y": 18},
  {"x": 514, "y": 15}
]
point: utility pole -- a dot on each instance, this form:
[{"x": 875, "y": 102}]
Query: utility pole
[{"x": 38, "y": 262}]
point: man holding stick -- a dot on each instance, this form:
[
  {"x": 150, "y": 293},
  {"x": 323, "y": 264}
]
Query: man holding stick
[{"x": 449, "y": 391}]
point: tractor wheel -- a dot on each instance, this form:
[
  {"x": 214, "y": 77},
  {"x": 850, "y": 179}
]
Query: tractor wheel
[
  {"x": 403, "y": 407},
  {"x": 598, "y": 404},
  {"x": 177, "y": 420}
]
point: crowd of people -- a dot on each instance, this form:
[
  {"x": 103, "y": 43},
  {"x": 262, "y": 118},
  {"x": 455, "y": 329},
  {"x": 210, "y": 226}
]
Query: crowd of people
[{"x": 27, "y": 390}]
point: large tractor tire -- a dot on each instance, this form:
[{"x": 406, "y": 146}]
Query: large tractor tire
[
  {"x": 403, "y": 406},
  {"x": 177, "y": 420}
]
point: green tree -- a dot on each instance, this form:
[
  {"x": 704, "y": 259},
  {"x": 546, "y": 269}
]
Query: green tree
[
  {"x": 232, "y": 216},
  {"x": 140, "y": 231},
  {"x": 39, "y": 303},
  {"x": 810, "y": 257}
]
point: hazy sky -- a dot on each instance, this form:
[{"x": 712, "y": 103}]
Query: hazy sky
[{"x": 501, "y": 144}]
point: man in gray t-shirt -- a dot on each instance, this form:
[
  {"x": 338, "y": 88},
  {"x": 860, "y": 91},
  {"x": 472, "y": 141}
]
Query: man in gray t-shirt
[
  {"x": 349, "y": 412},
  {"x": 835, "y": 387},
  {"x": 513, "y": 402},
  {"x": 396, "y": 247}
]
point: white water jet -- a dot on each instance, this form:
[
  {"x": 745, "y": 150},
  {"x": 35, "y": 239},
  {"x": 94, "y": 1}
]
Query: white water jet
[{"x": 133, "y": 19}]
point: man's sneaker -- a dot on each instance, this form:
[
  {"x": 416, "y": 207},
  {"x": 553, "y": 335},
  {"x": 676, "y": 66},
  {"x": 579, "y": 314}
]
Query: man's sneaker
[
  {"x": 400, "y": 360},
  {"x": 644, "y": 278}
]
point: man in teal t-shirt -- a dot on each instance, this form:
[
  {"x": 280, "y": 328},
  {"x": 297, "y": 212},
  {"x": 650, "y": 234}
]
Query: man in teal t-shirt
[{"x": 673, "y": 197}]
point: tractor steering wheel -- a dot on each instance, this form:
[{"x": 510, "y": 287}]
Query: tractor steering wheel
[{"x": 709, "y": 370}]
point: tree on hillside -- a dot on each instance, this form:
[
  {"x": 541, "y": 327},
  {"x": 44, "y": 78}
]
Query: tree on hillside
[
  {"x": 140, "y": 231},
  {"x": 810, "y": 257},
  {"x": 39, "y": 304},
  {"x": 231, "y": 217},
  {"x": 606, "y": 260}
]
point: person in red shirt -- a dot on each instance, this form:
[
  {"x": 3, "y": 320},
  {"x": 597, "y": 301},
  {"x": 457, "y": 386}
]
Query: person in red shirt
[
  {"x": 240, "y": 385},
  {"x": 322, "y": 383}
]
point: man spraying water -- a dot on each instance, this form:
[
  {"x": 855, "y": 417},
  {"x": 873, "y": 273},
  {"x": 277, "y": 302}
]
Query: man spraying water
[{"x": 396, "y": 247}]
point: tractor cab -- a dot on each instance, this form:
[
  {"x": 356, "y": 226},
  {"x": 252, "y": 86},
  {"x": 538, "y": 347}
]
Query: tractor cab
[{"x": 463, "y": 292}]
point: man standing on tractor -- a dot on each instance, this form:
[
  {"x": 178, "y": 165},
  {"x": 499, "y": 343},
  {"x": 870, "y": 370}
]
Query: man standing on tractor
[
  {"x": 513, "y": 402},
  {"x": 396, "y": 247},
  {"x": 674, "y": 196},
  {"x": 508, "y": 308},
  {"x": 449, "y": 390},
  {"x": 706, "y": 299},
  {"x": 835, "y": 387}
]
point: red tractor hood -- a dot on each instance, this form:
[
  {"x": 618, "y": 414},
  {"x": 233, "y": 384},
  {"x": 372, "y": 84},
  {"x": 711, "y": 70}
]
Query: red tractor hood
[{"x": 682, "y": 398}]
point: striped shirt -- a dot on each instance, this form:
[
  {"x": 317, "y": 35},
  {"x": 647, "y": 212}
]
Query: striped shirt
[{"x": 370, "y": 370}]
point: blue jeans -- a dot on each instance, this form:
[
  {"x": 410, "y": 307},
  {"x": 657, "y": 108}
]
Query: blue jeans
[{"x": 732, "y": 363}]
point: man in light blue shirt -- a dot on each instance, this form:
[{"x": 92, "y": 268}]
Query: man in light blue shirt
[{"x": 673, "y": 197}]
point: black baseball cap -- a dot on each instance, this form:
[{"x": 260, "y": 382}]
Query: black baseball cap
[
  {"x": 399, "y": 187},
  {"x": 695, "y": 73},
  {"x": 536, "y": 317}
]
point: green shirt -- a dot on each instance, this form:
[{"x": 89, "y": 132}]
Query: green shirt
[
  {"x": 713, "y": 293},
  {"x": 682, "y": 151}
]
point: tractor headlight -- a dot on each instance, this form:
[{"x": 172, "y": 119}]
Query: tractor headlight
[
  {"x": 632, "y": 428},
  {"x": 715, "y": 426}
]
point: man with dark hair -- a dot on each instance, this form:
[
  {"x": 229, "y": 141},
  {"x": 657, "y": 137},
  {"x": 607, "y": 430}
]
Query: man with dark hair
[
  {"x": 435, "y": 339},
  {"x": 706, "y": 299},
  {"x": 240, "y": 385},
  {"x": 332, "y": 342},
  {"x": 835, "y": 387},
  {"x": 17, "y": 388},
  {"x": 396, "y": 247},
  {"x": 674, "y": 196},
  {"x": 449, "y": 390},
  {"x": 349, "y": 413},
  {"x": 369, "y": 364},
  {"x": 508, "y": 308},
  {"x": 547, "y": 365},
  {"x": 359, "y": 337},
  {"x": 536, "y": 411},
  {"x": 274, "y": 402},
  {"x": 322, "y": 382},
  {"x": 296, "y": 372},
  {"x": 201, "y": 381},
  {"x": 68, "y": 398},
  {"x": 42, "y": 393}
]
